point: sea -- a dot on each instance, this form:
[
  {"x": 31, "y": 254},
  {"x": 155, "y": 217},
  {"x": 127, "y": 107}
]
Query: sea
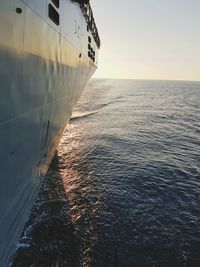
[{"x": 124, "y": 186}]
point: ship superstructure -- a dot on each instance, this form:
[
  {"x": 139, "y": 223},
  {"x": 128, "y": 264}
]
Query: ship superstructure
[{"x": 48, "y": 52}]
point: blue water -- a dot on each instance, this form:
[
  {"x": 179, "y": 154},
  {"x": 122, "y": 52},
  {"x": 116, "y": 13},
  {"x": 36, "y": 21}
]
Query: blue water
[{"x": 124, "y": 186}]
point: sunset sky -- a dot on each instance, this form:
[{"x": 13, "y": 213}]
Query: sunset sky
[{"x": 149, "y": 39}]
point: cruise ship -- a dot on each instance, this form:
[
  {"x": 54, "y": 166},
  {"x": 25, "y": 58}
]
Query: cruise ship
[{"x": 48, "y": 52}]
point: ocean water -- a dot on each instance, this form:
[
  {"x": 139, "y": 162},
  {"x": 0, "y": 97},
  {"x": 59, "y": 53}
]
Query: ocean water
[{"x": 124, "y": 186}]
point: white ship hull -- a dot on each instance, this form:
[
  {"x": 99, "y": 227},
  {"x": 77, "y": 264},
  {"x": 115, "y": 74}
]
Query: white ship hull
[{"x": 43, "y": 69}]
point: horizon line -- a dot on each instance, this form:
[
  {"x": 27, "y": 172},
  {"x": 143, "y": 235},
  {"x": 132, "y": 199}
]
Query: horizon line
[{"x": 145, "y": 79}]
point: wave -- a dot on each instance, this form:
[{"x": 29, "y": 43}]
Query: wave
[{"x": 83, "y": 115}]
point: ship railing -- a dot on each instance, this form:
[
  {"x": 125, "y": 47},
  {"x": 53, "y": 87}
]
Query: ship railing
[{"x": 88, "y": 14}]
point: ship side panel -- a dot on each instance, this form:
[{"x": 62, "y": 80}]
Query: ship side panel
[{"x": 41, "y": 78}]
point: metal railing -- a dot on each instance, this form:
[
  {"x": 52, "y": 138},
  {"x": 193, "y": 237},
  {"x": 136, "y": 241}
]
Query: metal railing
[{"x": 88, "y": 14}]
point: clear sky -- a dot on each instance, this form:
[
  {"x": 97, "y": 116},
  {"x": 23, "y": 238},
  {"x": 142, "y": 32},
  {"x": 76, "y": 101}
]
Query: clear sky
[{"x": 148, "y": 39}]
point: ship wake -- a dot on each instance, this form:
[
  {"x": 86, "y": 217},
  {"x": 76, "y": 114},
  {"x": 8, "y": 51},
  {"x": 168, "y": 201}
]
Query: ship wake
[{"x": 82, "y": 115}]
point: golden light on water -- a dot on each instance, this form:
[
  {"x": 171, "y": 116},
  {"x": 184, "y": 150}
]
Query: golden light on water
[{"x": 77, "y": 178}]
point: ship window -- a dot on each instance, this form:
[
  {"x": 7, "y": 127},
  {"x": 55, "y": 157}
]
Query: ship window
[
  {"x": 54, "y": 15},
  {"x": 56, "y": 3},
  {"x": 89, "y": 39}
]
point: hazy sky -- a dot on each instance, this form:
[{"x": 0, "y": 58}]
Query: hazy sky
[{"x": 148, "y": 39}]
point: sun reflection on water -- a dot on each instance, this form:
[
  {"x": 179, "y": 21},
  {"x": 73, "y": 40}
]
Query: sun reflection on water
[{"x": 76, "y": 172}]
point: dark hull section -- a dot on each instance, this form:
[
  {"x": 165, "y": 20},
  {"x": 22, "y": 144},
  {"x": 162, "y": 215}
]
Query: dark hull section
[{"x": 39, "y": 84}]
